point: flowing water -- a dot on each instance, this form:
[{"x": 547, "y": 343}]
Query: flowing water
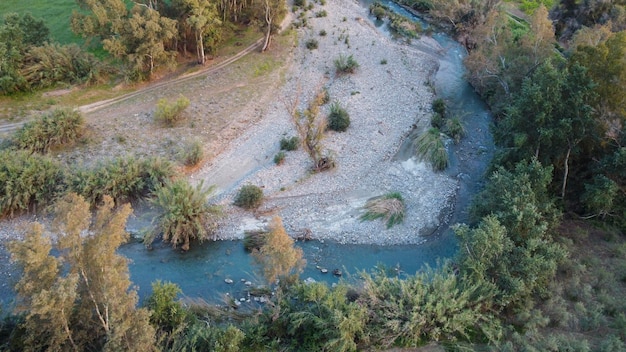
[{"x": 201, "y": 272}]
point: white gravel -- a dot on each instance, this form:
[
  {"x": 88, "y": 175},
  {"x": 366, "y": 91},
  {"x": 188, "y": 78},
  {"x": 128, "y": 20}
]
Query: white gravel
[{"x": 385, "y": 102}]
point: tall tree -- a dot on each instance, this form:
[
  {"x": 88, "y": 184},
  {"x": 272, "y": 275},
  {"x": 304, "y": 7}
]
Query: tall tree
[
  {"x": 99, "y": 18},
  {"x": 202, "y": 17},
  {"x": 89, "y": 304},
  {"x": 142, "y": 38},
  {"x": 270, "y": 12}
]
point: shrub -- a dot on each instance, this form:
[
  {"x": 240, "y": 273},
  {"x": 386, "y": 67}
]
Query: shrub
[
  {"x": 346, "y": 64},
  {"x": 390, "y": 207},
  {"x": 167, "y": 313},
  {"x": 438, "y": 121},
  {"x": 311, "y": 44},
  {"x": 122, "y": 178},
  {"x": 322, "y": 33},
  {"x": 383, "y": 61},
  {"x": 59, "y": 127},
  {"x": 378, "y": 11},
  {"x": 192, "y": 154},
  {"x": 289, "y": 144},
  {"x": 439, "y": 106},
  {"x": 249, "y": 197},
  {"x": 455, "y": 129},
  {"x": 338, "y": 119},
  {"x": 322, "y": 13},
  {"x": 299, "y": 3},
  {"x": 186, "y": 214},
  {"x": 431, "y": 147},
  {"x": 49, "y": 64},
  {"x": 27, "y": 179},
  {"x": 279, "y": 158},
  {"x": 170, "y": 114},
  {"x": 254, "y": 240}
]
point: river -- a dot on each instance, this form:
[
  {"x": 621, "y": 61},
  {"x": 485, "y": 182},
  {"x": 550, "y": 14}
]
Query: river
[{"x": 201, "y": 272}]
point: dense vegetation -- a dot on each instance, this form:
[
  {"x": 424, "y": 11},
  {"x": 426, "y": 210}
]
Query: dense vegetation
[
  {"x": 527, "y": 276},
  {"x": 133, "y": 39}
]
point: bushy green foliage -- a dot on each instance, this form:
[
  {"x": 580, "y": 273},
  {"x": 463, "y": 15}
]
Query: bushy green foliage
[
  {"x": 512, "y": 249},
  {"x": 169, "y": 114},
  {"x": 311, "y": 44},
  {"x": 50, "y": 64},
  {"x": 59, "y": 127},
  {"x": 279, "y": 158},
  {"x": 439, "y": 106},
  {"x": 390, "y": 208},
  {"x": 168, "y": 314},
  {"x": 122, "y": 178},
  {"x": 27, "y": 180},
  {"x": 346, "y": 64},
  {"x": 434, "y": 305},
  {"x": 430, "y": 146},
  {"x": 313, "y": 317},
  {"x": 249, "y": 197},
  {"x": 338, "y": 118},
  {"x": 186, "y": 213},
  {"x": 378, "y": 10},
  {"x": 455, "y": 129},
  {"x": 200, "y": 336},
  {"x": 192, "y": 154},
  {"x": 289, "y": 144}
]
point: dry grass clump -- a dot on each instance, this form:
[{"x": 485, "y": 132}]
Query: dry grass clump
[{"x": 390, "y": 207}]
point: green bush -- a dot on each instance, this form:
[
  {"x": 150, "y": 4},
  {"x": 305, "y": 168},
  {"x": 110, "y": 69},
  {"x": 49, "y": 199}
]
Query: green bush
[
  {"x": 289, "y": 144},
  {"x": 455, "y": 129},
  {"x": 390, "y": 207},
  {"x": 49, "y": 64},
  {"x": 279, "y": 158},
  {"x": 249, "y": 197},
  {"x": 378, "y": 11},
  {"x": 169, "y": 114},
  {"x": 346, "y": 64},
  {"x": 322, "y": 33},
  {"x": 438, "y": 121},
  {"x": 192, "y": 154},
  {"x": 122, "y": 178},
  {"x": 430, "y": 146},
  {"x": 311, "y": 44},
  {"x": 167, "y": 313},
  {"x": 186, "y": 214},
  {"x": 59, "y": 127},
  {"x": 299, "y": 3},
  {"x": 26, "y": 180},
  {"x": 439, "y": 106},
  {"x": 322, "y": 13},
  {"x": 338, "y": 119}
]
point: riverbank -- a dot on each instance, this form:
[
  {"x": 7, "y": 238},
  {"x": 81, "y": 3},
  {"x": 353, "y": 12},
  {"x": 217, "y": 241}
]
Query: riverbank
[{"x": 388, "y": 96}]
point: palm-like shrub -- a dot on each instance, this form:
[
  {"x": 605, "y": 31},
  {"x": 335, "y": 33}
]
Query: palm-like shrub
[
  {"x": 249, "y": 197},
  {"x": 430, "y": 146},
  {"x": 455, "y": 129},
  {"x": 169, "y": 114},
  {"x": 59, "y": 127},
  {"x": 338, "y": 119},
  {"x": 26, "y": 179},
  {"x": 186, "y": 214},
  {"x": 346, "y": 64},
  {"x": 390, "y": 207}
]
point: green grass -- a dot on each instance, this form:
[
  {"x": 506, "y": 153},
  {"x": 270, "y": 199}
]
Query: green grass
[{"x": 55, "y": 13}]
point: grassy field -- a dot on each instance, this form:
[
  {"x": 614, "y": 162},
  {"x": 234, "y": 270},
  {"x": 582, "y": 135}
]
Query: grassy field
[{"x": 56, "y": 14}]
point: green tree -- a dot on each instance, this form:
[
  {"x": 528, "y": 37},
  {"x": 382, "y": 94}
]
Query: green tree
[
  {"x": 11, "y": 55},
  {"x": 270, "y": 12},
  {"x": 551, "y": 119},
  {"x": 88, "y": 304},
  {"x": 203, "y": 18},
  {"x": 99, "y": 18},
  {"x": 141, "y": 40}
]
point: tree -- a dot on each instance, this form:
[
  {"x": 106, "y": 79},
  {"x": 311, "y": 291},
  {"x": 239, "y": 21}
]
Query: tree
[
  {"x": 201, "y": 16},
  {"x": 270, "y": 12},
  {"x": 88, "y": 304},
  {"x": 549, "y": 119},
  {"x": 278, "y": 256},
  {"x": 99, "y": 18},
  {"x": 142, "y": 39},
  {"x": 11, "y": 55}
]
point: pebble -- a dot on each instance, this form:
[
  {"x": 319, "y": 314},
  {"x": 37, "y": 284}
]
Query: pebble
[{"x": 228, "y": 281}]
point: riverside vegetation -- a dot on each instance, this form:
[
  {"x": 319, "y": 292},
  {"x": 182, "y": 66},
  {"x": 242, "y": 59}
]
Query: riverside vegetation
[{"x": 542, "y": 266}]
